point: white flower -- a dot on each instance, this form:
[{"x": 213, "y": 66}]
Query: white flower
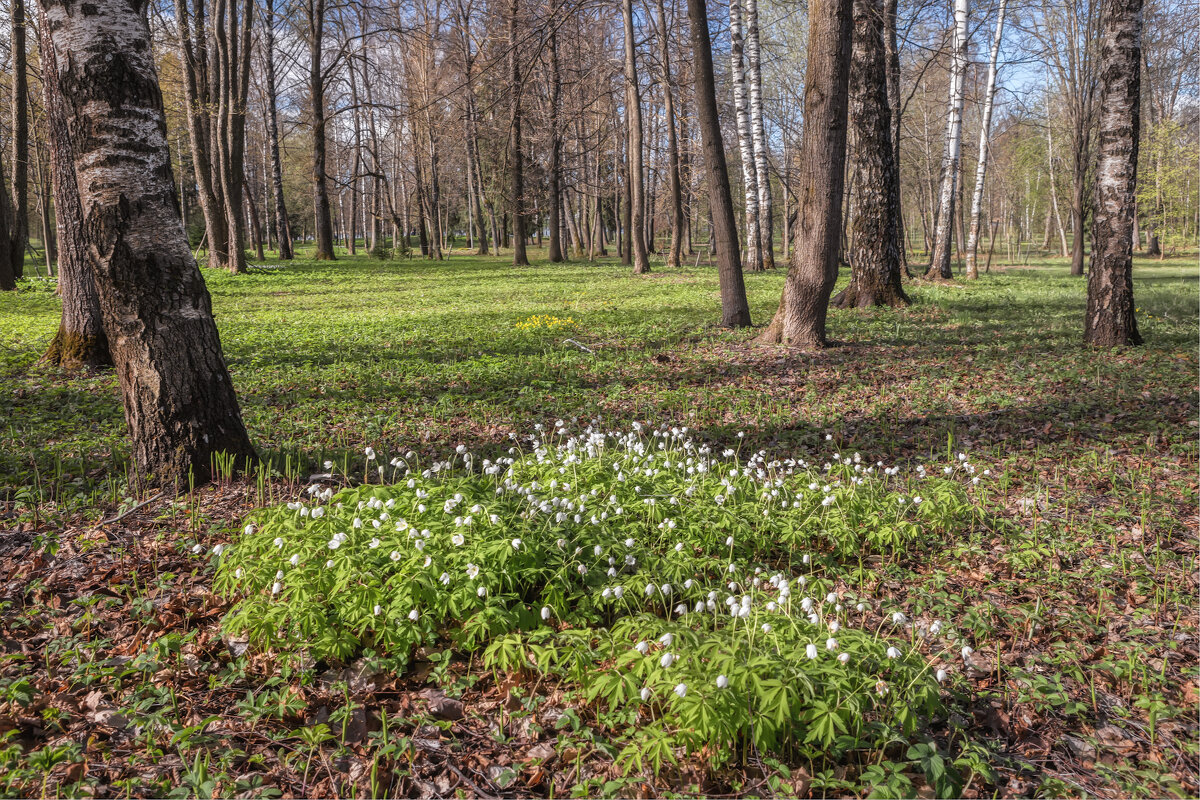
[
  {"x": 722, "y": 682},
  {"x": 899, "y": 619},
  {"x": 893, "y": 652},
  {"x": 276, "y": 587},
  {"x": 295, "y": 559},
  {"x": 811, "y": 651},
  {"x": 413, "y": 615},
  {"x": 831, "y": 644},
  {"x": 681, "y": 689},
  {"x": 881, "y": 688},
  {"x": 278, "y": 541},
  {"x": 766, "y": 628},
  {"x": 629, "y": 542},
  {"x": 198, "y": 549},
  {"x": 966, "y": 653},
  {"x": 831, "y": 598},
  {"x": 666, "y": 639},
  {"x": 844, "y": 658},
  {"x": 642, "y": 647},
  {"x": 218, "y": 550},
  {"x": 833, "y": 626},
  {"x": 545, "y": 612},
  {"x": 329, "y": 564},
  {"x": 941, "y": 675},
  {"x": 665, "y": 588},
  {"x": 239, "y": 572},
  {"x": 650, "y": 589},
  {"x": 377, "y": 610},
  {"x": 935, "y": 628},
  {"x": 248, "y": 530},
  {"x": 481, "y": 591},
  {"x": 645, "y": 693},
  {"x": 334, "y": 543},
  {"x": 516, "y": 544},
  {"x": 667, "y": 660},
  {"x": 472, "y": 571},
  {"x": 457, "y": 539},
  {"x": 445, "y": 578},
  {"x": 679, "y": 547},
  {"x": 618, "y": 592},
  {"x": 861, "y": 607},
  {"x": 729, "y": 541},
  {"x": 370, "y": 451},
  {"x": 806, "y": 604}
]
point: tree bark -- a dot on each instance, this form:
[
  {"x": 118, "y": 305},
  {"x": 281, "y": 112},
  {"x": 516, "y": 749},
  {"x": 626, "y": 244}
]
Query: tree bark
[
  {"x": 741, "y": 105},
  {"x": 283, "y": 227},
  {"x": 516, "y": 154},
  {"x": 800, "y": 320},
  {"x": 735, "y": 311},
  {"x": 943, "y": 239},
  {"x": 80, "y": 341},
  {"x": 633, "y": 119},
  {"x": 323, "y": 215},
  {"x": 675, "y": 253},
  {"x": 984, "y": 139},
  {"x": 179, "y": 401},
  {"x": 555, "y": 167},
  {"x": 762, "y": 179},
  {"x": 19, "y": 233},
  {"x": 874, "y": 257},
  {"x": 1110, "y": 317}
]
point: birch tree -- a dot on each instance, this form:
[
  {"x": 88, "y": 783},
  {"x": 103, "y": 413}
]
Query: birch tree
[
  {"x": 741, "y": 104},
  {"x": 1110, "y": 317},
  {"x": 633, "y": 120},
  {"x": 943, "y": 240},
  {"x": 984, "y": 139},
  {"x": 180, "y": 405},
  {"x": 766, "y": 212}
]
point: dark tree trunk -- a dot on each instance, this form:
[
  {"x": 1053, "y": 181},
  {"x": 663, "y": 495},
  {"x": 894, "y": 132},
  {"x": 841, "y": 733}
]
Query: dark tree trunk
[
  {"x": 19, "y": 234},
  {"x": 735, "y": 311},
  {"x": 256, "y": 237},
  {"x": 179, "y": 401},
  {"x": 633, "y": 119},
  {"x": 556, "y": 200},
  {"x": 283, "y": 229},
  {"x": 80, "y": 340},
  {"x": 675, "y": 253},
  {"x": 323, "y": 215},
  {"x": 1110, "y": 317},
  {"x": 1078, "y": 214},
  {"x": 516, "y": 154},
  {"x": 895, "y": 106},
  {"x": 874, "y": 257},
  {"x": 800, "y": 320}
]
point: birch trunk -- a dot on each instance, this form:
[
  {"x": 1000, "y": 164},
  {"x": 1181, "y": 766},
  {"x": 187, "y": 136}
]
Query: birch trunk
[
  {"x": 741, "y": 104},
  {"x": 322, "y": 213},
  {"x": 19, "y": 233},
  {"x": 179, "y": 402},
  {"x": 1110, "y": 317},
  {"x": 637, "y": 179},
  {"x": 943, "y": 240},
  {"x": 984, "y": 139},
  {"x": 762, "y": 176},
  {"x": 675, "y": 253}
]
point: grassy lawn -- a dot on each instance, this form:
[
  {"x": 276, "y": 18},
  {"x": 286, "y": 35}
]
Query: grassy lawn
[{"x": 1078, "y": 593}]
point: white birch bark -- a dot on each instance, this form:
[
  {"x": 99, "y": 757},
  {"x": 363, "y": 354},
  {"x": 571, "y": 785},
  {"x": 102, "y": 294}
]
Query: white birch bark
[
  {"x": 944, "y": 233},
  {"x": 984, "y": 139},
  {"x": 741, "y": 103},
  {"x": 766, "y": 227}
]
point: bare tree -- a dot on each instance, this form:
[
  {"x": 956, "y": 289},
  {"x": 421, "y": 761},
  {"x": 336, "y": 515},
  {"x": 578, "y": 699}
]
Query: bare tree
[
  {"x": 633, "y": 120},
  {"x": 282, "y": 226},
  {"x": 323, "y": 224},
  {"x": 758, "y": 136},
  {"x": 19, "y": 232},
  {"x": 741, "y": 105},
  {"x": 939, "y": 266},
  {"x": 984, "y": 138},
  {"x": 820, "y": 176}
]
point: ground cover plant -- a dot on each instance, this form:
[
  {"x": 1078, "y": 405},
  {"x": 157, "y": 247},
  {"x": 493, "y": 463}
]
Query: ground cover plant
[{"x": 136, "y": 661}]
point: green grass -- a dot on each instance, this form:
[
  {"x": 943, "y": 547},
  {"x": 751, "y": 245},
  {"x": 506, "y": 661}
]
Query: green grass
[{"x": 1077, "y": 594}]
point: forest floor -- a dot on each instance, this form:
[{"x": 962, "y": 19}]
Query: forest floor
[{"x": 116, "y": 679}]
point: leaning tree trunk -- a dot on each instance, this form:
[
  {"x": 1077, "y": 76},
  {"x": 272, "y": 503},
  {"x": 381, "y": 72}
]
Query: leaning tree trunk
[
  {"x": 762, "y": 178},
  {"x": 735, "y": 311},
  {"x": 19, "y": 234},
  {"x": 741, "y": 105},
  {"x": 1110, "y": 317},
  {"x": 943, "y": 238},
  {"x": 80, "y": 341},
  {"x": 637, "y": 177},
  {"x": 179, "y": 401},
  {"x": 800, "y": 320},
  {"x": 322, "y": 212},
  {"x": 981, "y": 165},
  {"x": 874, "y": 257},
  {"x": 520, "y": 258}
]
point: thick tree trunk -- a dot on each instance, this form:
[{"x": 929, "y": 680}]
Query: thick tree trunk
[
  {"x": 19, "y": 234},
  {"x": 637, "y": 177},
  {"x": 322, "y": 213},
  {"x": 944, "y": 217},
  {"x": 282, "y": 226},
  {"x": 179, "y": 401},
  {"x": 735, "y": 311},
  {"x": 896, "y": 107},
  {"x": 874, "y": 258},
  {"x": 516, "y": 154},
  {"x": 675, "y": 252},
  {"x": 741, "y": 105},
  {"x": 800, "y": 320},
  {"x": 984, "y": 138},
  {"x": 1110, "y": 317},
  {"x": 80, "y": 341},
  {"x": 766, "y": 211}
]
